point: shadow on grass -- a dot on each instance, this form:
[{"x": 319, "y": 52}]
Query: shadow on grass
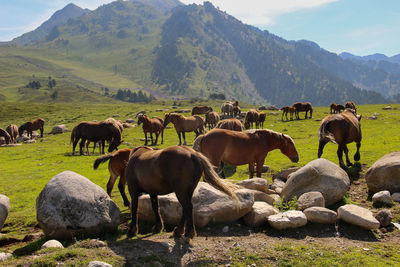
[{"x": 354, "y": 171}]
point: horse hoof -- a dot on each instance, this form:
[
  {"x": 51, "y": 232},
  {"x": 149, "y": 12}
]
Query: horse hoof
[{"x": 178, "y": 232}]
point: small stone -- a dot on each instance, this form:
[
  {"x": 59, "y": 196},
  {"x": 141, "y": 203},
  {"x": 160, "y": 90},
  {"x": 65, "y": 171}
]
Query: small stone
[
  {"x": 225, "y": 229},
  {"x": 396, "y": 197},
  {"x": 384, "y": 217},
  {"x": 311, "y": 199},
  {"x": 4, "y": 256},
  {"x": 52, "y": 244},
  {"x": 99, "y": 264},
  {"x": 382, "y": 197}
]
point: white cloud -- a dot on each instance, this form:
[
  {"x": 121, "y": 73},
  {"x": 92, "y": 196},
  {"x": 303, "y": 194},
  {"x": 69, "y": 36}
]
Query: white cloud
[{"x": 262, "y": 12}]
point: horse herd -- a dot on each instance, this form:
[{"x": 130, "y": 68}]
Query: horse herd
[{"x": 12, "y": 131}]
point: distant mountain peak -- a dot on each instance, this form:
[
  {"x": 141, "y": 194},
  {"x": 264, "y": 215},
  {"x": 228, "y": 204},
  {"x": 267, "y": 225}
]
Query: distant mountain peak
[{"x": 162, "y": 5}]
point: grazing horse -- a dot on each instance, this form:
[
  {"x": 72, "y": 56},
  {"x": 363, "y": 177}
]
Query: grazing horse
[
  {"x": 116, "y": 167},
  {"x": 227, "y": 109},
  {"x": 341, "y": 129},
  {"x": 184, "y": 124},
  {"x": 350, "y": 104},
  {"x": 288, "y": 109},
  {"x": 198, "y": 110},
  {"x": 303, "y": 107},
  {"x": 230, "y": 124},
  {"x": 212, "y": 118},
  {"x": 151, "y": 126},
  {"x": 251, "y": 117},
  {"x": 239, "y": 148},
  {"x": 261, "y": 119},
  {"x": 6, "y": 136},
  {"x": 12, "y": 130},
  {"x": 95, "y": 131},
  {"x": 37, "y": 124},
  {"x": 173, "y": 169},
  {"x": 117, "y": 124},
  {"x": 336, "y": 108}
]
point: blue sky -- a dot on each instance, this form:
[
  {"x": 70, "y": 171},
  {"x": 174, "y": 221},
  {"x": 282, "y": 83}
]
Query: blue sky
[{"x": 360, "y": 27}]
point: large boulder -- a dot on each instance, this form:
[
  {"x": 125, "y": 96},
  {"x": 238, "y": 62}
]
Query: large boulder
[
  {"x": 320, "y": 215},
  {"x": 59, "y": 129},
  {"x": 311, "y": 199},
  {"x": 209, "y": 205},
  {"x": 384, "y": 174},
  {"x": 72, "y": 205},
  {"x": 4, "y": 209},
  {"x": 318, "y": 175},
  {"x": 382, "y": 198},
  {"x": 359, "y": 216},
  {"x": 288, "y": 219},
  {"x": 259, "y": 214}
]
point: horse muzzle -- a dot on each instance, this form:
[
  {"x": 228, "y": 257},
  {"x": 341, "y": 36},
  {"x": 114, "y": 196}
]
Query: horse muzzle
[{"x": 295, "y": 159}]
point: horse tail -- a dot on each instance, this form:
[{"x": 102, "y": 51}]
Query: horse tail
[
  {"x": 212, "y": 178},
  {"x": 325, "y": 132},
  {"x": 197, "y": 143},
  {"x": 102, "y": 159},
  {"x": 73, "y": 135}
]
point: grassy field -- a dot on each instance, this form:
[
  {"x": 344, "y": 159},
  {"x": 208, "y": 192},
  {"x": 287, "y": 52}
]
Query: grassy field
[{"x": 25, "y": 169}]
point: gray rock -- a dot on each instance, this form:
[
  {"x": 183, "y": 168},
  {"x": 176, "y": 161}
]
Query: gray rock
[
  {"x": 70, "y": 204},
  {"x": 130, "y": 121},
  {"x": 320, "y": 215},
  {"x": 258, "y": 184},
  {"x": 382, "y": 197},
  {"x": 30, "y": 141},
  {"x": 283, "y": 175},
  {"x": 373, "y": 117},
  {"x": 387, "y": 108},
  {"x": 4, "y": 209},
  {"x": 116, "y": 116},
  {"x": 359, "y": 216},
  {"x": 182, "y": 111},
  {"x": 98, "y": 264},
  {"x": 58, "y": 129},
  {"x": 259, "y": 213},
  {"x": 396, "y": 197},
  {"x": 4, "y": 256},
  {"x": 384, "y": 174},
  {"x": 318, "y": 175},
  {"x": 278, "y": 185},
  {"x": 384, "y": 217},
  {"x": 311, "y": 199},
  {"x": 263, "y": 197},
  {"x": 288, "y": 219},
  {"x": 52, "y": 244}
]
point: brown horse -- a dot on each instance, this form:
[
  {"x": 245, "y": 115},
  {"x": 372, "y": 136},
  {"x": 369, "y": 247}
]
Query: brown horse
[
  {"x": 173, "y": 169},
  {"x": 6, "y": 136},
  {"x": 99, "y": 143},
  {"x": 151, "y": 126},
  {"x": 230, "y": 124},
  {"x": 303, "y": 107},
  {"x": 236, "y": 111},
  {"x": 261, "y": 119},
  {"x": 12, "y": 130},
  {"x": 239, "y": 148},
  {"x": 350, "y": 104},
  {"x": 116, "y": 167},
  {"x": 184, "y": 124},
  {"x": 212, "y": 118},
  {"x": 95, "y": 131},
  {"x": 286, "y": 110},
  {"x": 336, "y": 108},
  {"x": 227, "y": 109},
  {"x": 341, "y": 129},
  {"x": 37, "y": 124},
  {"x": 198, "y": 110},
  {"x": 251, "y": 117}
]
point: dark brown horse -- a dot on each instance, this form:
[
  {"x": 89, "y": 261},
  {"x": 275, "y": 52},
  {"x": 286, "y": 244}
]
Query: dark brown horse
[
  {"x": 341, "y": 129},
  {"x": 151, "y": 126},
  {"x": 6, "y": 136},
  {"x": 116, "y": 167},
  {"x": 12, "y": 130},
  {"x": 198, "y": 110},
  {"x": 100, "y": 143},
  {"x": 261, "y": 119},
  {"x": 336, "y": 108},
  {"x": 251, "y": 118},
  {"x": 230, "y": 124},
  {"x": 212, "y": 118},
  {"x": 352, "y": 105},
  {"x": 184, "y": 124},
  {"x": 303, "y": 107},
  {"x": 239, "y": 148},
  {"x": 95, "y": 131},
  {"x": 173, "y": 169},
  {"x": 236, "y": 110},
  {"x": 37, "y": 124},
  {"x": 286, "y": 110},
  {"x": 227, "y": 109}
]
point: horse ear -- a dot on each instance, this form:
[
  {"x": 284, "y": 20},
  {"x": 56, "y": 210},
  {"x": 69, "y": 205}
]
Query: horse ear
[{"x": 359, "y": 117}]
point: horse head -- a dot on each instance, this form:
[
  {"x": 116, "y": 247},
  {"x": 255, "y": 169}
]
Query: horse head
[
  {"x": 167, "y": 119},
  {"x": 288, "y": 148},
  {"x": 114, "y": 145}
]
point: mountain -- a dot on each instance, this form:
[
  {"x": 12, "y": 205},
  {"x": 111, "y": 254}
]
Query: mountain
[
  {"x": 374, "y": 57},
  {"x": 60, "y": 17},
  {"x": 161, "y": 5}
]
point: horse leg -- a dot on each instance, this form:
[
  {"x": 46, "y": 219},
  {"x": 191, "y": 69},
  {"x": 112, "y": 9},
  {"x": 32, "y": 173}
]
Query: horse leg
[
  {"x": 145, "y": 138},
  {"x": 102, "y": 145},
  {"x": 162, "y": 136},
  {"x": 156, "y": 209},
  {"x": 321, "y": 146},
  {"x": 110, "y": 183},
  {"x": 340, "y": 156},
  {"x": 151, "y": 138},
  {"x": 87, "y": 146},
  {"x": 251, "y": 169},
  {"x": 346, "y": 152},
  {"x": 41, "y": 132},
  {"x": 187, "y": 215},
  {"x": 357, "y": 155},
  {"x": 259, "y": 167},
  {"x": 222, "y": 164},
  {"x": 180, "y": 140},
  {"x": 133, "y": 229},
  {"x": 184, "y": 138},
  {"x": 121, "y": 187},
  {"x": 81, "y": 144},
  {"x": 157, "y": 134},
  {"x": 74, "y": 145}
]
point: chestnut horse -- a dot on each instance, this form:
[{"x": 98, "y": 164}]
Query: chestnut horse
[
  {"x": 227, "y": 109},
  {"x": 303, "y": 107},
  {"x": 341, "y": 129},
  {"x": 350, "y": 104},
  {"x": 151, "y": 126},
  {"x": 95, "y": 131},
  {"x": 239, "y": 148},
  {"x": 261, "y": 119},
  {"x": 116, "y": 167},
  {"x": 117, "y": 124},
  {"x": 37, "y": 124},
  {"x": 230, "y": 124},
  {"x": 173, "y": 169},
  {"x": 236, "y": 109},
  {"x": 336, "y": 108},
  {"x": 12, "y": 130},
  {"x": 288, "y": 109},
  {"x": 198, "y": 110},
  {"x": 251, "y": 117},
  {"x": 184, "y": 124},
  {"x": 212, "y": 118},
  {"x": 6, "y": 136}
]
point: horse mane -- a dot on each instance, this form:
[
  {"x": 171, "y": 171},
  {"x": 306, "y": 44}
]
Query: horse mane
[{"x": 279, "y": 135}]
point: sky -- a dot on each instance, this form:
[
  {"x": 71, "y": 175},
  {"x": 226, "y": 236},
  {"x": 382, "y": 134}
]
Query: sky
[{"x": 360, "y": 27}]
